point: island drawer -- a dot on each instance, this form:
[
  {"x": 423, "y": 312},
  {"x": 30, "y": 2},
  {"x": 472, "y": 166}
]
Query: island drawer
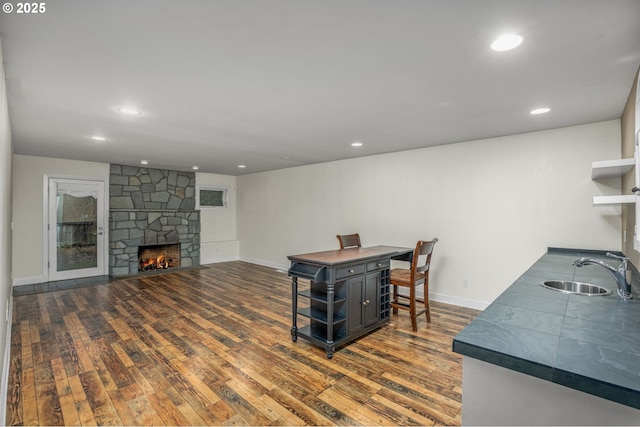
[
  {"x": 378, "y": 265},
  {"x": 341, "y": 273}
]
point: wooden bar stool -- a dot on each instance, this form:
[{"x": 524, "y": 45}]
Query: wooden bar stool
[
  {"x": 412, "y": 278},
  {"x": 349, "y": 240}
]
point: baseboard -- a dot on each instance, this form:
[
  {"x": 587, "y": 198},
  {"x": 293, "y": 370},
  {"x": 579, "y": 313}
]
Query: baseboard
[
  {"x": 447, "y": 299},
  {"x": 215, "y": 260},
  {"x": 264, "y": 263},
  {"x": 6, "y": 363},
  {"x": 21, "y": 281},
  {"x": 462, "y": 302}
]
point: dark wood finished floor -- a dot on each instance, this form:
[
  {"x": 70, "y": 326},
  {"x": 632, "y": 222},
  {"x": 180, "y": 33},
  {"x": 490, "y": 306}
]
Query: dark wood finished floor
[{"x": 212, "y": 346}]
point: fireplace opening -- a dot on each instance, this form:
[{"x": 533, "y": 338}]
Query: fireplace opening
[{"x": 158, "y": 257}]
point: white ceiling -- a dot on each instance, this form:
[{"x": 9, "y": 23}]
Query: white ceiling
[{"x": 279, "y": 83}]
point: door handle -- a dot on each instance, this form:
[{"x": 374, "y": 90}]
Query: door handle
[{"x": 635, "y": 189}]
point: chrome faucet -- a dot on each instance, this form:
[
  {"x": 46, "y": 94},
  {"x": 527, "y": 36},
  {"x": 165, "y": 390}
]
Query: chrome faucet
[{"x": 620, "y": 273}]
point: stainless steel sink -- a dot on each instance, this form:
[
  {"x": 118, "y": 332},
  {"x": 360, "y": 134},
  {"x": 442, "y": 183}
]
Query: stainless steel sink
[{"x": 579, "y": 288}]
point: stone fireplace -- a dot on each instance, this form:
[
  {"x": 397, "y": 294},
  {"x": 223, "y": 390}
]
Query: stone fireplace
[{"x": 151, "y": 208}]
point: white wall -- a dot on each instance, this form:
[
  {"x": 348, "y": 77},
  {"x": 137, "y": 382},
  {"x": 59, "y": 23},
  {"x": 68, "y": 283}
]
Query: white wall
[
  {"x": 6, "y": 152},
  {"x": 218, "y": 236},
  {"x": 495, "y": 204},
  {"x": 28, "y": 207}
]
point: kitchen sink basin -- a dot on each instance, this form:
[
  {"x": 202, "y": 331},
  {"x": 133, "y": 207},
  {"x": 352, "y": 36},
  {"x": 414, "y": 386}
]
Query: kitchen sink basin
[{"x": 579, "y": 288}]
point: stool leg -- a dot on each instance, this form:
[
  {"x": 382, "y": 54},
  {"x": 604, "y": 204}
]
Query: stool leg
[
  {"x": 426, "y": 298},
  {"x": 412, "y": 308},
  {"x": 395, "y": 299}
]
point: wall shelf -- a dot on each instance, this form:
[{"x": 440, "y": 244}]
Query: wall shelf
[
  {"x": 614, "y": 200},
  {"x": 611, "y": 168}
]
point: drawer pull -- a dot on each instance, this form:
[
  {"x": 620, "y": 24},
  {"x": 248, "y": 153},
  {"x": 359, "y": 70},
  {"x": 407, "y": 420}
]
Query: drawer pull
[
  {"x": 379, "y": 265},
  {"x": 351, "y": 271}
]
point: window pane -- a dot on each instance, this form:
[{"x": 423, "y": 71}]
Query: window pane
[
  {"x": 76, "y": 232},
  {"x": 213, "y": 198}
]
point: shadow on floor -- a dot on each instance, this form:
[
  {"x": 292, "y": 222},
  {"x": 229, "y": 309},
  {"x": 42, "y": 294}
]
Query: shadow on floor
[{"x": 61, "y": 285}]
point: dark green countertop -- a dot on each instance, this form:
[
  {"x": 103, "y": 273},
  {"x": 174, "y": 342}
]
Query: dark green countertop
[{"x": 588, "y": 343}]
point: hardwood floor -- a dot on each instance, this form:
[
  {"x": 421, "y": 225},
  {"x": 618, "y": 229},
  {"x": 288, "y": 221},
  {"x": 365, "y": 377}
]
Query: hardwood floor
[{"x": 212, "y": 346}]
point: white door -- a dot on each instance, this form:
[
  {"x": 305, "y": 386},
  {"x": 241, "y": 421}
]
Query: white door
[
  {"x": 76, "y": 229},
  {"x": 636, "y": 129},
  {"x": 636, "y": 189}
]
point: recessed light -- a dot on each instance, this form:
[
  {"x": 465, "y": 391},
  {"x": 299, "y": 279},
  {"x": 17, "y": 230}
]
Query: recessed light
[
  {"x": 195, "y": 168},
  {"x": 144, "y": 162},
  {"x": 540, "y": 111},
  {"x": 129, "y": 111},
  {"x": 98, "y": 138},
  {"x": 506, "y": 42},
  {"x": 356, "y": 144},
  {"x": 242, "y": 166}
]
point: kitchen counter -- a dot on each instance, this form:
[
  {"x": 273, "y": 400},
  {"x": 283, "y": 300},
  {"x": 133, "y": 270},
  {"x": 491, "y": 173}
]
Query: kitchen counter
[{"x": 587, "y": 343}]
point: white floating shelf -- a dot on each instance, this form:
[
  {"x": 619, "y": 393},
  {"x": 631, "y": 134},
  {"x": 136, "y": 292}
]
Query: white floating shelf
[
  {"x": 614, "y": 200},
  {"x": 611, "y": 168}
]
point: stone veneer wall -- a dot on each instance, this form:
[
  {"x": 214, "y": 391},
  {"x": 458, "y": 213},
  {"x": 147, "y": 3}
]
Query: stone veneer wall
[{"x": 151, "y": 207}]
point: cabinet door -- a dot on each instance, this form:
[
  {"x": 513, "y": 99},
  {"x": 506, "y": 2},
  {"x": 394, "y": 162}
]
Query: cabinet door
[
  {"x": 364, "y": 301},
  {"x": 372, "y": 299},
  {"x": 355, "y": 316}
]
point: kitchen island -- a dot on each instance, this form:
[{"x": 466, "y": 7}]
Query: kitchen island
[
  {"x": 541, "y": 357},
  {"x": 348, "y": 294}
]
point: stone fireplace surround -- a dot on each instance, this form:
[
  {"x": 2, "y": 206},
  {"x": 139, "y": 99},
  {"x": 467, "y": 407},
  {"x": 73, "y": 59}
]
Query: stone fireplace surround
[{"x": 151, "y": 207}]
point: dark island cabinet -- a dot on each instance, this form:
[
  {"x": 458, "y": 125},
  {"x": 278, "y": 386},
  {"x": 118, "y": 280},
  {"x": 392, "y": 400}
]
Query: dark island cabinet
[
  {"x": 364, "y": 302},
  {"x": 346, "y": 296}
]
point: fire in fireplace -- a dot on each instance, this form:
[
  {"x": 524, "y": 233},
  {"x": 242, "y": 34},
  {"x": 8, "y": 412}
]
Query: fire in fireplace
[
  {"x": 147, "y": 264},
  {"x": 158, "y": 257}
]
